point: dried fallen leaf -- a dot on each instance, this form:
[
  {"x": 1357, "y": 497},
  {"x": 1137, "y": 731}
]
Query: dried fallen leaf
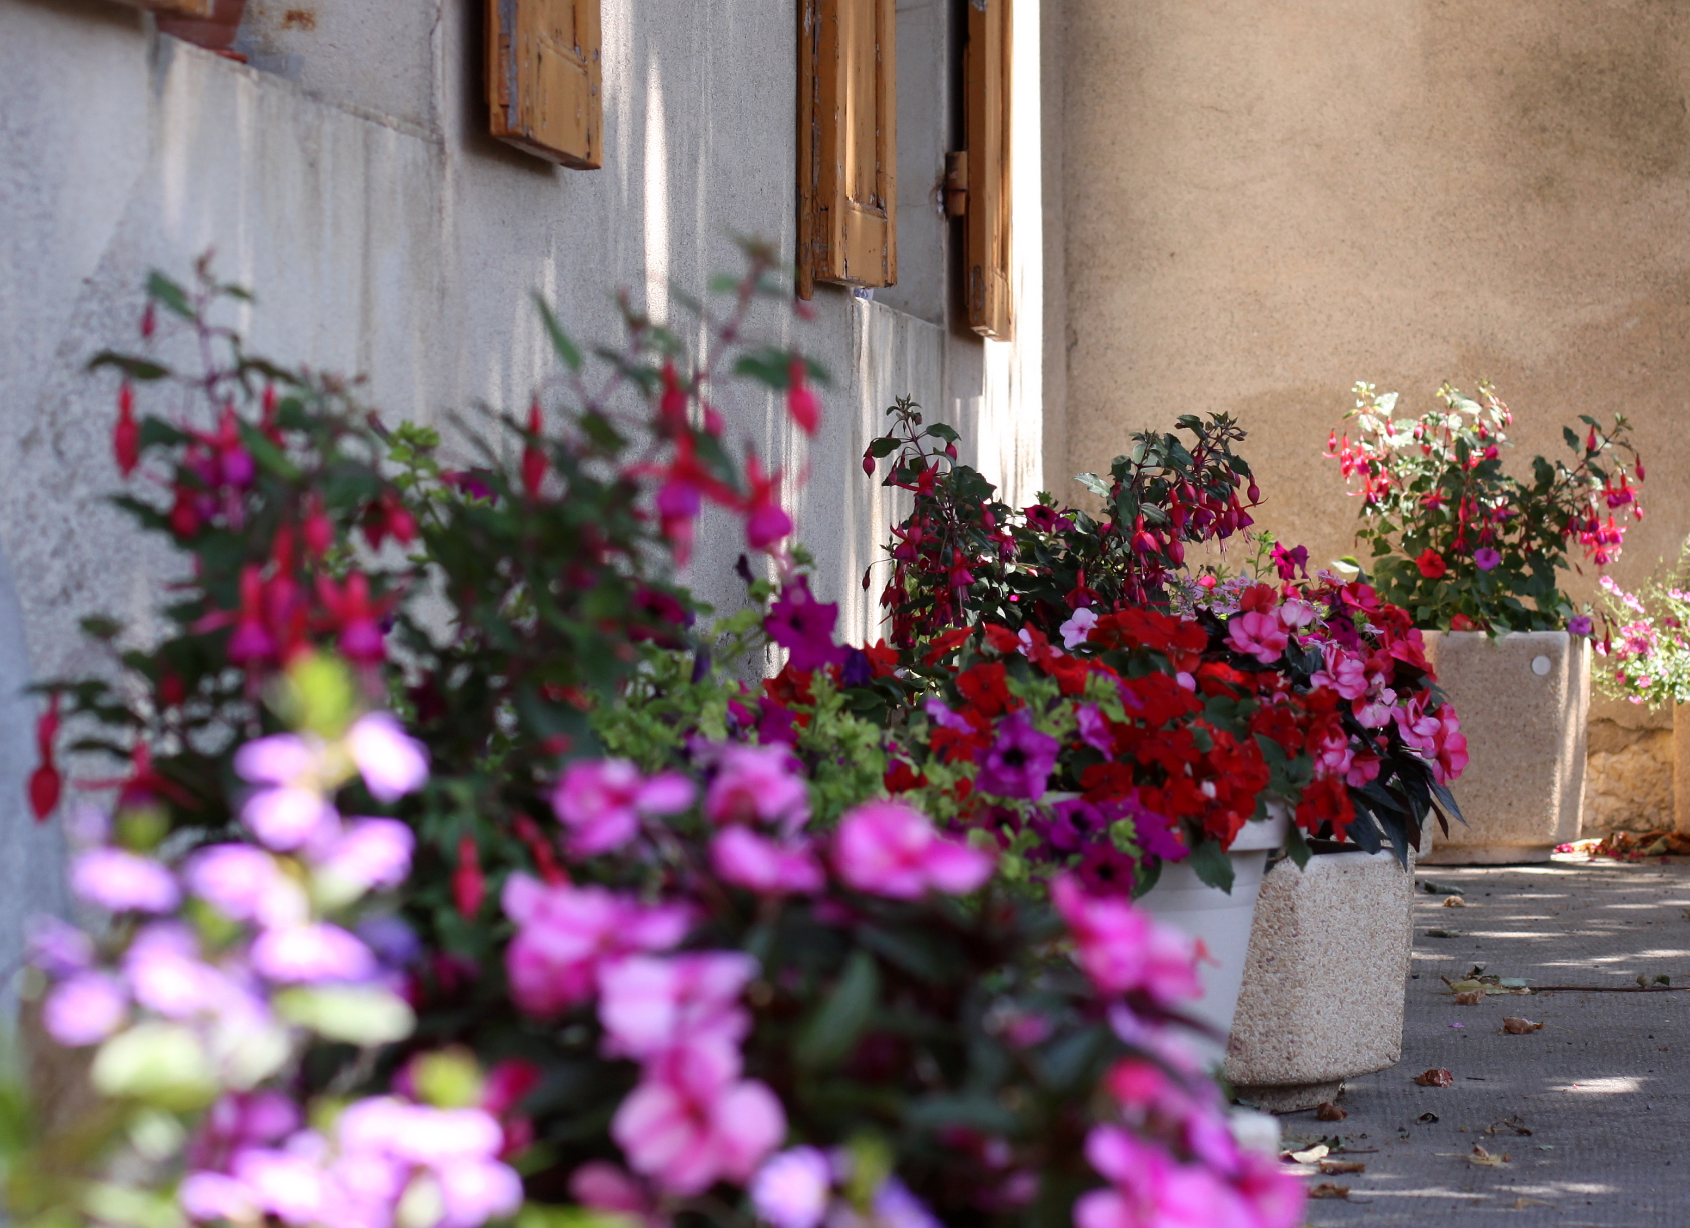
[
  {"x": 1520, "y": 1204},
  {"x": 1508, "y": 1123},
  {"x": 1327, "y": 1111},
  {"x": 1312, "y": 1155},
  {"x": 1484, "y": 1158},
  {"x": 1435, "y": 1078},
  {"x": 1466, "y": 985},
  {"x": 1454, "y": 901},
  {"x": 1519, "y": 1027},
  {"x": 1427, "y": 1118},
  {"x": 1327, "y": 1190},
  {"x": 1332, "y": 1167},
  {"x": 1470, "y": 998}
]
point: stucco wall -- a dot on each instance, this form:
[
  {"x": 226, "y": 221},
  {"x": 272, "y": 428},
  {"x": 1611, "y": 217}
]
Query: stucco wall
[{"x": 1264, "y": 203}]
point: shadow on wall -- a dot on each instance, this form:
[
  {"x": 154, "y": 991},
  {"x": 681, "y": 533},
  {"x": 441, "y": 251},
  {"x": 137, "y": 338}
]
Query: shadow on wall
[{"x": 31, "y": 854}]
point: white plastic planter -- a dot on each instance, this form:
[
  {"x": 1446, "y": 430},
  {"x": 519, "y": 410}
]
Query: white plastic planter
[
  {"x": 1523, "y": 699},
  {"x": 1220, "y": 919}
]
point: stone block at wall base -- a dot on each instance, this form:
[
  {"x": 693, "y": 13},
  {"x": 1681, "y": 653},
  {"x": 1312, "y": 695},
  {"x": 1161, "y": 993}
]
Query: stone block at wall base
[
  {"x": 1627, "y": 779},
  {"x": 1325, "y": 979},
  {"x": 1523, "y": 699}
]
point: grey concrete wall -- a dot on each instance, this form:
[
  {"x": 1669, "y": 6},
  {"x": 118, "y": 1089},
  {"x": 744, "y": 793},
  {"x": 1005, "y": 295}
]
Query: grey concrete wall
[{"x": 1264, "y": 203}]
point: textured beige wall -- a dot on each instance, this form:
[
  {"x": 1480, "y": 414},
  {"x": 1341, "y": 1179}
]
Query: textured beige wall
[{"x": 1266, "y": 201}]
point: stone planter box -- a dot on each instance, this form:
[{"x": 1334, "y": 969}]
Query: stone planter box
[
  {"x": 1325, "y": 981},
  {"x": 1523, "y": 699}
]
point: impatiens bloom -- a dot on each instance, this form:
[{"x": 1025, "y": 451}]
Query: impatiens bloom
[
  {"x": 804, "y": 627},
  {"x": 244, "y": 884},
  {"x": 85, "y": 1009},
  {"x": 759, "y": 784},
  {"x": 372, "y": 855},
  {"x": 1431, "y": 564},
  {"x": 312, "y": 953},
  {"x": 1122, "y": 949},
  {"x": 391, "y": 762},
  {"x": 1152, "y": 1190},
  {"x": 564, "y": 933},
  {"x": 1077, "y": 630},
  {"x": 651, "y": 1006},
  {"x": 1019, "y": 761},
  {"x": 792, "y": 1188},
  {"x": 120, "y": 881},
  {"x": 892, "y": 850},
  {"x": 693, "y": 1122},
  {"x": 747, "y": 859},
  {"x": 1258, "y": 635},
  {"x": 1486, "y": 559},
  {"x": 603, "y": 801}
]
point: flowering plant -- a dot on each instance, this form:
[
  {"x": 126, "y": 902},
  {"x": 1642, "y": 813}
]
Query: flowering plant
[
  {"x": 1644, "y": 646},
  {"x": 670, "y": 957},
  {"x": 1460, "y": 543}
]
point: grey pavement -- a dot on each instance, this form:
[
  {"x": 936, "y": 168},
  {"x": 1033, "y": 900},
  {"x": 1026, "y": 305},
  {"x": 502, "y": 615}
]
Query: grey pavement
[{"x": 1603, "y": 1088}]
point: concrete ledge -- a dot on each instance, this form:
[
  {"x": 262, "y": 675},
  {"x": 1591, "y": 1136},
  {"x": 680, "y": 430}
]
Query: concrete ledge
[{"x": 1324, "y": 981}]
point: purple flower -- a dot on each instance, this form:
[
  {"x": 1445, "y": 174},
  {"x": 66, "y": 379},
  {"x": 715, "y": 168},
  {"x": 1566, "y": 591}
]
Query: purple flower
[
  {"x": 391, "y": 763},
  {"x": 859, "y": 670},
  {"x": 280, "y": 759},
  {"x": 312, "y": 953},
  {"x": 1485, "y": 558},
  {"x": 244, "y": 884},
  {"x": 940, "y": 712},
  {"x": 395, "y": 944},
  {"x": 85, "y": 1009},
  {"x": 165, "y": 973},
  {"x": 1579, "y": 624},
  {"x": 1073, "y": 823},
  {"x": 120, "y": 881},
  {"x": 1020, "y": 761},
  {"x": 285, "y": 818},
  {"x": 58, "y": 948},
  {"x": 1094, "y": 730},
  {"x": 896, "y": 1207},
  {"x": 804, "y": 627},
  {"x": 373, "y": 855},
  {"x": 791, "y": 1189}
]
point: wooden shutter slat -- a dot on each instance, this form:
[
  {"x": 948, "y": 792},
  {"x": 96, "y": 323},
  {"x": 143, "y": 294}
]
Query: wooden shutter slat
[
  {"x": 847, "y": 143},
  {"x": 986, "y": 106},
  {"x": 543, "y": 78}
]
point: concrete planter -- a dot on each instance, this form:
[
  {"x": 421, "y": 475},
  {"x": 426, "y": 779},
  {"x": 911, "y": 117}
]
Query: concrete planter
[
  {"x": 1222, "y": 920},
  {"x": 1523, "y": 699},
  {"x": 1325, "y": 981}
]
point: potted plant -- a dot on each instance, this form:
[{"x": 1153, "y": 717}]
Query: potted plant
[
  {"x": 452, "y": 880},
  {"x": 1474, "y": 554},
  {"x": 1176, "y": 741}
]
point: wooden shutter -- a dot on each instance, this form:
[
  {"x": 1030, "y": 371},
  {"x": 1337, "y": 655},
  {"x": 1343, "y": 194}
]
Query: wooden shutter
[
  {"x": 986, "y": 123},
  {"x": 543, "y": 78},
  {"x": 847, "y": 143}
]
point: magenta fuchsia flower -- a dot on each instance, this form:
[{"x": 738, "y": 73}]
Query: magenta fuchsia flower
[
  {"x": 651, "y": 1006},
  {"x": 309, "y": 954},
  {"x": 1254, "y": 634},
  {"x": 793, "y": 1188},
  {"x": 603, "y": 801},
  {"x": 1122, "y": 949},
  {"x": 120, "y": 881},
  {"x": 759, "y": 784},
  {"x": 804, "y": 627},
  {"x": 744, "y": 858},
  {"x": 564, "y": 933},
  {"x": 391, "y": 762},
  {"x": 1019, "y": 761},
  {"x": 889, "y": 849},
  {"x": 85, "y": 1009},
  {"x": 693, "y": 1121}
]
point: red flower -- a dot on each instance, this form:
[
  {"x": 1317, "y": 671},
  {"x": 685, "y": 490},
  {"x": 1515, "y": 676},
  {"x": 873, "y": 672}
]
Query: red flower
[
  {"x": 126, "y": 436},
  {"x": 533, "y": 459},
  {"x": 801, "y": 403},
  {"x": 469, "y": 885},
  {"x": 1431, "y": 564},
  {"x": 45, "y": 783}
]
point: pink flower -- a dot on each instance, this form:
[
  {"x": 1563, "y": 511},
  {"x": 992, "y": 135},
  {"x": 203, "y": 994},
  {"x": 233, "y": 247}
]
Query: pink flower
[
  {"x": 746, "y": 859},
  {"x": 312, "y": 953},
  {"x": 287, "y": 818},
  {"x": 120, "y": 881},
  {"x": 85, "y": 1009},
  {"x": 1151, "y": 1190},
  {"x": 245, "y": 884},
  {"x": 892, "y": 850},
  {"x": 564, "y": 933},
  {"x": 1276, "y": 1196},
  {"x": 1452, "y": 746},
  {"x": 1122, "y": 949},
  {"x": 167, "y": 975},
  {"x": 1077, "y": 630},
  {"x": 1257, "y": 635},
  {"x": 391, "y": 763},
  {"x": 759, "y": 784},
  {"x": 651, "y": 1006},
  {"x": 373, "y": 854},
  {"x": 792, "y": 1188},
  {"x": 693, "y": 1122},
  {"x": 1333, "y": 754},
  {"x": 603, "y": 801},
  {"x": 1344, "y": 673}
]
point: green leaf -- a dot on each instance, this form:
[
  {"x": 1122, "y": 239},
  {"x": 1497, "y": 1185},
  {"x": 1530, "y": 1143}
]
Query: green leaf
[
  {"x": 356, "y": 1014},
  {"x": 134, "y": 368},
  {"x": 1212, "y": 865},
  {"x": 941, "y": 431},
  {"x": 837, "y": 1026},
  {"x": 883, "y": 447},
  {"x": 162, "y": 290},
  {"x": 1297, "y": 847},
  {"x": 1093, "y": 483},
  {"x": 566, "y": 349}
]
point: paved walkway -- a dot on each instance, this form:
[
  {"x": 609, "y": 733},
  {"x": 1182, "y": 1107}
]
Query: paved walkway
[{"x": 1603, "y": 1088}]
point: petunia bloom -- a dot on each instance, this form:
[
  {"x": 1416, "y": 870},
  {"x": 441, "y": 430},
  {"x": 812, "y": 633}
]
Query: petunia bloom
[
  {"x": 804, "y": 627},
  {"x": 889, "y": 849},
  {"x": 1019, "y": 761},
  {"x": 120, "y": 881},
  {"x": 1486, "y": 559}
]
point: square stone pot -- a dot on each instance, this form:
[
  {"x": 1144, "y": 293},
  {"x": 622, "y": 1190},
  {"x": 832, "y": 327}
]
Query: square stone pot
[
  {"x": 1523, "y": 699},
  {"x": 1325, "y": 980}
]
